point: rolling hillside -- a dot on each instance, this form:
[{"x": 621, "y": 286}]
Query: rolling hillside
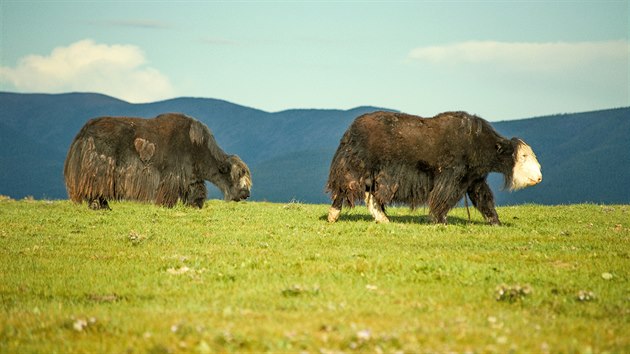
[{"x": 585, "y": 156}]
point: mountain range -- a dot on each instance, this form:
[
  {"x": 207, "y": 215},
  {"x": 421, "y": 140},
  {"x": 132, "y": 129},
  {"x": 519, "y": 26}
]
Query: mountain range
[{"x": 585, "y": 157}]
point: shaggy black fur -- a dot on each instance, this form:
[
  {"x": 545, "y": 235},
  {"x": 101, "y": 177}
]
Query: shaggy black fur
[
  {"x": 161, "y": 159},
  {"x": 401, "y": 158}
]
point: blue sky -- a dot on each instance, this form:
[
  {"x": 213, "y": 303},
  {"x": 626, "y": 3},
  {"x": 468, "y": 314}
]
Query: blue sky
[{"x": 498, "y": 59}]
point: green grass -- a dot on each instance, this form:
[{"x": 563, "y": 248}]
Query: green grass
[{"x": 277, "y": 277}]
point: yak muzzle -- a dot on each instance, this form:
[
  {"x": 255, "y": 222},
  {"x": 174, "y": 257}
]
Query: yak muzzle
[
  {"x": 241, "y": 195},
  {"x": 535, "y": 181},
  {"x": 244, "y": 194}
]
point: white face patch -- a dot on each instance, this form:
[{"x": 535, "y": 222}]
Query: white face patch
[
  {"x": 526, "y": 170},
  {"x": 245, "y": 182}
]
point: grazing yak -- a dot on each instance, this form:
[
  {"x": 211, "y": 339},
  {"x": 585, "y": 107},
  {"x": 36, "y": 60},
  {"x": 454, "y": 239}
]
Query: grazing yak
[
  {"x": 388, "y": 157},
  {"x": 162, "y": 159}
]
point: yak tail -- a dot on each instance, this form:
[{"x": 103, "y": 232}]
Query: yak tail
[
  {"x": 88, "y": 175},
  {"x": 345, "y": 180}
]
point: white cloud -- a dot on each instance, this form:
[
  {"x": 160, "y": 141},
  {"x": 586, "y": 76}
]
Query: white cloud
[
  {"x": 554, "y": 76},
  {"x": 527, "y": 56},
  {"x": 117, "y": 70},
  {"x": 137, "y": 23}
]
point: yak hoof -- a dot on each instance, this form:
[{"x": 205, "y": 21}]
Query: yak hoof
[
  {"x": 99, "y": 204},
  {"x": 333, "y": 214},
  {"x": 440, "y": 220},
  {"x": 382, "y": 220},
  {"x": 95, "y": 205}
]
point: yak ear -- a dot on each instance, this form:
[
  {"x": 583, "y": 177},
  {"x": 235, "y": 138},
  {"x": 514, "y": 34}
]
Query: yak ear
[
  {"x": 500, "y": 148},
  {"x": 224, "y": 167},
  {"x": 504, "y": 147}
]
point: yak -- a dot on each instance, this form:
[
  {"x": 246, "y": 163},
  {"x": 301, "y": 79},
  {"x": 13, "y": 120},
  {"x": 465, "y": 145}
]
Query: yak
[
  {"x": 387, "y": 157},
  {"x": 162, "y": 159}
]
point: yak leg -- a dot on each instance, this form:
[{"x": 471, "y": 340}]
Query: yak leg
[
  {"x": 335, "y": 209},
  {"x": 439, "y": 213},
  {"x": 196, "y": 194},
  {"x": 167, "y": 192},
  {"x": 375, "y": 208},
  {"x": 196, "y": 202},
  {"x": 483, "y": 199},
  {"x": 99, "y": 203},
  {"x": 446, "y": 192}
]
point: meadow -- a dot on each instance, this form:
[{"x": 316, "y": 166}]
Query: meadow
[{"x": 276, "y": 277}]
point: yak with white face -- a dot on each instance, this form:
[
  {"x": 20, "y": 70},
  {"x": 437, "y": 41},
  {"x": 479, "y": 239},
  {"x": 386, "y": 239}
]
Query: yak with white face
[
  {"x": 163, "y": 159},
  {"x": 387, "y": 157}
]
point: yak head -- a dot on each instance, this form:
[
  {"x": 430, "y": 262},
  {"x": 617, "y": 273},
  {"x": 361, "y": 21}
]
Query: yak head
[
  {"x": 231, "y": 176},
  {"x": 525, "y": 170},
  {"x": 237, "y": 177}
]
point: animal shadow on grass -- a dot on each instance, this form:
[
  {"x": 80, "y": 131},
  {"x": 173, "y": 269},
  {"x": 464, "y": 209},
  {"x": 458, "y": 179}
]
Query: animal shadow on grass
[{"x": 410, "y": 219}]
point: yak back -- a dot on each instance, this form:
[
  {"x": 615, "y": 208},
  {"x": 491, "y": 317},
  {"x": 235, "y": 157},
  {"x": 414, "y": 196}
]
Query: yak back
[
  {"x": 167, "y": 140},
  {"x": 446, "y": 140}
]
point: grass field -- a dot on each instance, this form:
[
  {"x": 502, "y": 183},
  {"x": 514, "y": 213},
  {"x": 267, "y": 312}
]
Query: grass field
[{"x": 251, "y": 277}]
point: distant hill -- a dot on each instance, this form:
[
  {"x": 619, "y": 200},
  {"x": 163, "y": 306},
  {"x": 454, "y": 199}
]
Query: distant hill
[{"x": 585, "y": 156}]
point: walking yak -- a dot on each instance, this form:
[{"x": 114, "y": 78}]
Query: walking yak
[{"x": 387, "y": 157}]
